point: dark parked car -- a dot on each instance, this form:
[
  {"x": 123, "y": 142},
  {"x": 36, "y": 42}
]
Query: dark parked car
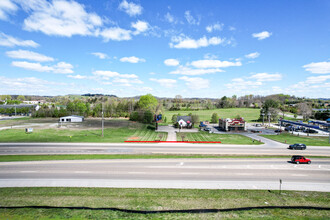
[
  {"x": 311, "y": 131},
  {"x": 207, "y": 129},
  {"x": 300, "y": 159},
  {"x": 297, "y": 147},
  {"x": 278, "y": 131}
]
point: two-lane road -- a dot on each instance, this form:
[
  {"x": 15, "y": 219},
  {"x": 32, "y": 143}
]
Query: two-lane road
[{"x": 170, "y": 173}]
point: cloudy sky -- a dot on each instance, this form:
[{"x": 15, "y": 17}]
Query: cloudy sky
[{"x": 208, "y": 48}]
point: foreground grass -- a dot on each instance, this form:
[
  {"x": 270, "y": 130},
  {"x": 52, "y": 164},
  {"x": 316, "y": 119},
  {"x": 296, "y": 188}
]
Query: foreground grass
[
  {"x": 249, "y": 114},
  {"x": 11, "y": 158},
  {"x": 157, "y": 199},
  {"x": 224, "y": 138},
  {"x": 292, "y": 139},
  {"x": 111, "y": 135}
]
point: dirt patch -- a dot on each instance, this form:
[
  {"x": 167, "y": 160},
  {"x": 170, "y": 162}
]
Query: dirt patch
[{"x": 133, "y": 138}]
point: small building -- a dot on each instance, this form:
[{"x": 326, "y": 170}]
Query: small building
[
  {"x": 184, "y": 121},
  {"x": 72, "y": 118},
  {"x": 228, "y": 124}
]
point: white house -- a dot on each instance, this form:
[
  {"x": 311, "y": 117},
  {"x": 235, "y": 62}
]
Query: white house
[{"x": 72, "y": 118}]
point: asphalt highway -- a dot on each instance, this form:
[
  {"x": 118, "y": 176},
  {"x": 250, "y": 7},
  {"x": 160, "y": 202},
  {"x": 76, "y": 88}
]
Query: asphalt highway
[
  {"x": 159, "y": 148},
  {"x": 170, "y": 173}
]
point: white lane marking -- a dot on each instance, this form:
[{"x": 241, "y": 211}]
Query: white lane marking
[
  {"x": 299, "y": 175},
  {"x": 137, "y": 172},
  {"x": 189, "y": 173},
  {"x": 319, "y": 166},
  {"x": 82, "y": 171},
  {"x": 181, "y": 164},
  {"x": 28, "y": 171}
]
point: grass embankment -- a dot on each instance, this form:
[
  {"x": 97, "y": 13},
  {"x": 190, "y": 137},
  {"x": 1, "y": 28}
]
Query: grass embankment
[
  {"x": 292, "y": 139},
  {"x": 224, "y": 138},
  {"x": 111, "y": 135},
  {"x": 158, "y": 199},
  {"x": 249, "y": 114}
]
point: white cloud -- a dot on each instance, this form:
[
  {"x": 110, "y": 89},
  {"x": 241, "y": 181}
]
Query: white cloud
[
  {"x": 252, "y": 55},
  {"x": 106, "y": 74},
  {"x": 144, "y": 89},
  {"x": 263, "y": 77},
  {"x": 262, "y": 35},
  {"x": 100, "y": 55},
  {"x": 77, "y": 76},
  {"x": 210, "y": 56},
  {"x": 182, "y": 70},
  {"x": 196, "y": 82},
  {"x": 168, "y": 83},
  {"x": 240, "y": 84},
  {"x": 320, "y": 67},
  {"x": 190, "y": 19},
  {"x": 127, "y": 82},
  {"x": 140, "y": 26},
  {"x": 214, "y": 27},
  {"x": 132, "y": 59},
  {"x": 29, "y": 85},
  {"x": 9, "y": 41},
  {"x": 170, "y": 18},
  {"x": 116, "y": 34},
  {"x": 317, "y": 79},
  {"x": 6, "y": 7},
  {"x": 130, "y": 8},
  {"x": 184, "y": 42},
  {"x": 28, "y": 55},
  {"x": 171, "y": 62},
  {"x": 63, "y": 67},
  {"x": 214, "y": 64},
  {"x": 60, "y": 18},
  {"x": 60, "y": 67}
]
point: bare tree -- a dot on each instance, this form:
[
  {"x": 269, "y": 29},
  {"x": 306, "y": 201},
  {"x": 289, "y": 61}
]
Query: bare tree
[{"x": 305, "y": 110}]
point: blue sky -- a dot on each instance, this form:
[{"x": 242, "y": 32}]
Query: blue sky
[{"x": 166, "y": 48}]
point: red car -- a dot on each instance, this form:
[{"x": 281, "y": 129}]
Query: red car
[{"x": 300, "y": 159}]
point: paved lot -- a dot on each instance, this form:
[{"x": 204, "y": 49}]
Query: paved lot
[{"x": 170, "y": 173}]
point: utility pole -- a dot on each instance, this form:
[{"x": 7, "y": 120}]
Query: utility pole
[
  {"x": 102, "y": 121},
  {"x": 263, "y": 114},
  {"x": 15, "y": 109},
  {"x": 269, "y": 119}
]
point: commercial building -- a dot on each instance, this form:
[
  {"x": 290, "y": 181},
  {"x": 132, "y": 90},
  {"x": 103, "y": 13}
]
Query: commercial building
[
  {"x": 227, "y": 124},
  {"x": 72, "y": 118}
]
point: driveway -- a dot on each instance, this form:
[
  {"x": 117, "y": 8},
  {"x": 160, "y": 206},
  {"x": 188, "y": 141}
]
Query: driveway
[{"x": 172, "y": 131}]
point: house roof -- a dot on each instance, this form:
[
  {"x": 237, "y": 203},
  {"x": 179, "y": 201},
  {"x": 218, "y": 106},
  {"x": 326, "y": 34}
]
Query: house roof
[
  {"x": 73, "y": 116},
  {"x": 185, "y": 118}
]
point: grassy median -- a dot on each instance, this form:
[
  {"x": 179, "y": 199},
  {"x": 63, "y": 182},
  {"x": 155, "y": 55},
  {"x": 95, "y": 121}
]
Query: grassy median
[
  {"x": 292, "y": 139},
  {"x": 158, "y": 199}
]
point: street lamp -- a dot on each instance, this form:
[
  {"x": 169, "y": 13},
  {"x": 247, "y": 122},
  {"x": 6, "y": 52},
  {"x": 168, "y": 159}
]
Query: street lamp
[
  {"x": 269, "y": 118},
  {"x": 263, "y": 114}
]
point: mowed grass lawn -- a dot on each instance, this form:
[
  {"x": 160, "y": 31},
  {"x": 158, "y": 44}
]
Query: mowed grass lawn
[
  {"x": 158, "y": 199},
  {"x": 224, "y": 138},
  {"x": 293, "y": 139},
  {"x": 249, "y": 114},
  {"x": 111, "y": 135}
]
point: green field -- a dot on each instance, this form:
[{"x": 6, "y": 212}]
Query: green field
[
  {"x": 224, "y": 138},
  {"x": 158, "y": 199},
  {"x": 111, "y": 135},
  {"x": 292, "y": 139},
  {"x": 249, "y": 114}
]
